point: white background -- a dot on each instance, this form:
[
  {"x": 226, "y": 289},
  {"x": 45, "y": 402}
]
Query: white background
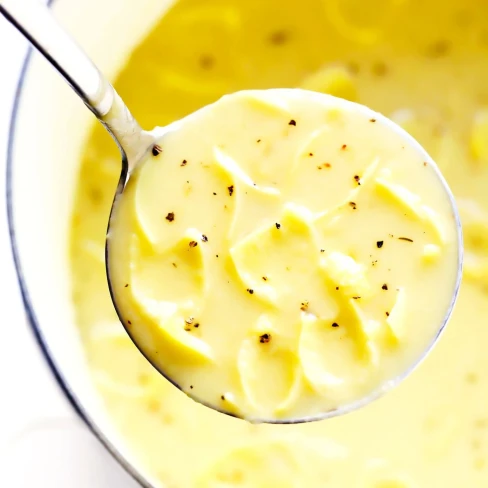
[{"x": 42, "y": 442}]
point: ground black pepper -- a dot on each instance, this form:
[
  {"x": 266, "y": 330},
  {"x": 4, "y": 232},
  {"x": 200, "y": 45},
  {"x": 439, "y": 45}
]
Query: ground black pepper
[
  {"x": 170, "y": 217},
  {"x": 156, "y": 150},
  {"x": 265, "y": 338}
]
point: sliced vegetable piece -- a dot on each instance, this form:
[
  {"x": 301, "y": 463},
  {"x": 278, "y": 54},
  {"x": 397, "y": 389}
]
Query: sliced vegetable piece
[
  {"x": 343, "y": 271},
  {"x": 269, "y": 103},
  {"x": 336, "y": 355},
  {"x": 269, "y": 375},
  {"x": 397, "y": 317},
  {"x": 168, "y": 326},
  {"x": 412, "y": 203},
  {"x": 266, "y": 252},
  {"x": 238, "y": 174},
  {"x": 183, "y": 268}
]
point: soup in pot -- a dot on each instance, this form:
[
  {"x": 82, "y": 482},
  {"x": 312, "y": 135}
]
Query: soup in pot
[{"x": 424, "y": 65}]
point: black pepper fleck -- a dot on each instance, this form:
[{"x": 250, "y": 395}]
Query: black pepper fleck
[
  {"x": 126, "y": 285},
  {"x": 231, "y": 190},
  {"x": 335, "y": 324},
  {"x": 322, "y": 250},
  {"x": 193, "y": 243},
  {"x": 357, "y": 179},
  {"x": 184, "y": 162},
  {"x": 265, "y": 338},
  {"x": 170, "y": 217},
  {"x": 352, "y": 205},
  {"x": 372, "y": 120},
  {"x": 204, "y": 238},
  {"x": 292, "y": 122},
  {"x": 222, "y": 397},
  {"x": 258, "y": 141},
  {"x": 265, "y": 278},
  {"x": 156, "y": 150},
  {"x": 250, "y": 291},
  {"x": 379, "y": 244},
  {"x": 129, "y": 322},
  {"x": 191, "y": 387},
  {"x": 278, "y": 226},
  {"x": 387, "y": 314},
  {"x": 384, "y": 287}
]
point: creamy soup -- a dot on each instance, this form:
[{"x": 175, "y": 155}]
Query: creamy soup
[
  {"x": 423, "y": 65},
  {"x": 281, "y": 254}
]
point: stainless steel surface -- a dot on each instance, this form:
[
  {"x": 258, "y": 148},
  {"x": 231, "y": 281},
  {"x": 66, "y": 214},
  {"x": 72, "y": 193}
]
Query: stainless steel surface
[{"x": 34, "y": 20}]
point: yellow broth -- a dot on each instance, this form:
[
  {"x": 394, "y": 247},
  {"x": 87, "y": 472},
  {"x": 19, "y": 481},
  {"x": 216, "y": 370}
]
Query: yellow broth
[{"x": 425, "y": 65}]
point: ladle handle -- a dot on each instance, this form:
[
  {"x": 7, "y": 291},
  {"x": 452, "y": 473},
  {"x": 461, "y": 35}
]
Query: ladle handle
[{"x": 35, "y": 21}]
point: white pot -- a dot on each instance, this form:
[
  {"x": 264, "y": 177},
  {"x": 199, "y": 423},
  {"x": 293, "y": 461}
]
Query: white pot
[{"x": 49, "y": 127}]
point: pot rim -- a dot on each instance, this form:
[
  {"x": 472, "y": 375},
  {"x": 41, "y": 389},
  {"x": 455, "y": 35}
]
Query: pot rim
[{"x": 32, "y": 320}]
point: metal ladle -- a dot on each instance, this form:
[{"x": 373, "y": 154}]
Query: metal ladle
[{"x": 34, "y": 20}]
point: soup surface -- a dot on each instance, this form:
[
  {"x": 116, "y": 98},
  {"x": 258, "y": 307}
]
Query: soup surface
[
  {"x": 424, "y": 66},
  {"x": 254, "y": 254}
]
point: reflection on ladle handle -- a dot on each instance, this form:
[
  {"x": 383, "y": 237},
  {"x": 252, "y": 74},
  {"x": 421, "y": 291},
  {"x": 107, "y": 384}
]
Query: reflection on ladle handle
[{"x": 34, "y": 20}]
